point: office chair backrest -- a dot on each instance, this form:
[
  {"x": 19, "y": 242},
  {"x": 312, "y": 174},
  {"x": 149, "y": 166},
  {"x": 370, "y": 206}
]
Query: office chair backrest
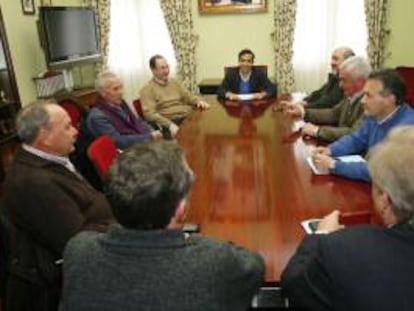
[
  {"x": 76, "y": 111},
  {"x": 138, "y": 107},
  {"x": 260, "y": 67},
  {"x": 407, "y": 74},
  {"x": 102, "y": 151}
]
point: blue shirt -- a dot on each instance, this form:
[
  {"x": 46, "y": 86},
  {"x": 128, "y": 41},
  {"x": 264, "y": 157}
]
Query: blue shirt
[
  {"x": 244, "y": 87},
  {"x": 370, "y": 133}
]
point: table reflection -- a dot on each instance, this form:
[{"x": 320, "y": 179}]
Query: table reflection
[{"x": 253, "y": 185}]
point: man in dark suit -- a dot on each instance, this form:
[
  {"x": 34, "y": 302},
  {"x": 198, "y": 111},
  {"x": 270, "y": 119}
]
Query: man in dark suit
[
  {"x": 365, "y": 267},
  {"x": 246, "y": 79},
  {"x": 329, "y": 94}
]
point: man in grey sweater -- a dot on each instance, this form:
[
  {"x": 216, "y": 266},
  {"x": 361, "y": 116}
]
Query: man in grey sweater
[{"x": 147, "y": 262}]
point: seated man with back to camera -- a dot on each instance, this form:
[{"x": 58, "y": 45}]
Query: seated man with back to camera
[
  {"x": 384, "y": 108},
  {"x": 47, "y": 202},
  {"x": 330, "y": 124},
  {"x": 165, "y": 101},
  {"x": 365, "y": 267},
  {"x": 329, "y": 94},
  {"x": 147, "y": 260},
  {"x": 246, "y": 79},
  {"x": 112, "y": 116}
]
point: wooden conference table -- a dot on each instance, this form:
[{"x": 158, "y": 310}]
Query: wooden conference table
[{"x": 253, "y": 186}]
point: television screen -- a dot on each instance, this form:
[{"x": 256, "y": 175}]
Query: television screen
[{"x": 69, "y": 35}]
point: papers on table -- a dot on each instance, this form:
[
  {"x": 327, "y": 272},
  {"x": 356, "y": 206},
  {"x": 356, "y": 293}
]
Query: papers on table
[
  {"x": 246, "y": 96},
  {"x": 348, "y": 159},
  {"x": 351, "y": 158},
  {"x": 315, "y": 170}
]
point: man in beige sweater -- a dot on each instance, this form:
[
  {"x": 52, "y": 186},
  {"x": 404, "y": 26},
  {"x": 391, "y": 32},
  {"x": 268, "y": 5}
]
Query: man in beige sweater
[{"x": 165, "y": 102}]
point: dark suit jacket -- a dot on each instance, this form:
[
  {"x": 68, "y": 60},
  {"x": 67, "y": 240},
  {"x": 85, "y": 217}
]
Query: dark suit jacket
[
  {"x": 338, "y": 121},
  {"x": 328, "y": 95},
  {"x": 359, "y": 268},
  {"x": 258, "y": 82}
]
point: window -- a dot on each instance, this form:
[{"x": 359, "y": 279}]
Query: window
[
  {"x": 321, "y": 26},
  {"x": 138, "y": 31}
]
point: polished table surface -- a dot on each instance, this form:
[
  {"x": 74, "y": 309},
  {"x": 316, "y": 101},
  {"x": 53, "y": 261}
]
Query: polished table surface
[{"x": 253, "y": 186}]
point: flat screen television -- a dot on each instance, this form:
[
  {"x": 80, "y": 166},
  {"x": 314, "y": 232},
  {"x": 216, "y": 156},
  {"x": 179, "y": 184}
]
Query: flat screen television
[{"x": 69, "y": 35}]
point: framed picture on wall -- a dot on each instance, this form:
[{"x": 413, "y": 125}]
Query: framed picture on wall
[
  {"x": 28, "y": 7},
  {"x": 231, "y": 6}
]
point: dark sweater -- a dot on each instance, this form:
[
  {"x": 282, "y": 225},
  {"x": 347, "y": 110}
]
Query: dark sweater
[{"x": 157, "y": 270}]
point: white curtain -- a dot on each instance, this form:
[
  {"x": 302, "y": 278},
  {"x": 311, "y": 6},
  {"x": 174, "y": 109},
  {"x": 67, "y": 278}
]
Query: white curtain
[
  {"x": 322, "y": 25},
  {"x": 138, "y": 31}
]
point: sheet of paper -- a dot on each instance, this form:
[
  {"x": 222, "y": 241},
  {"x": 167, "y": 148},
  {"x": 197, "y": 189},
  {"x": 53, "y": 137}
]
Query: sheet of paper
[
  {"x": 315, "y": 170},
  {"x": 347, "y": 159},
  {"x": 245, "y": 96},
  {"x": 351, "y": 158}
]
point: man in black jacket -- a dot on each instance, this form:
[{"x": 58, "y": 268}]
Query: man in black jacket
[
  {"x": 246, "y": 79},
  {"x": 329, "y": 94},
  {"x": 364, "y": 267}
]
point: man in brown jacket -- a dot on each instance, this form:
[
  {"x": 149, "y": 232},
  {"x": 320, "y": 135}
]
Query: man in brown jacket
[
  {"x": 46, "y": 202},
  {"x": 330, "y": 124}
]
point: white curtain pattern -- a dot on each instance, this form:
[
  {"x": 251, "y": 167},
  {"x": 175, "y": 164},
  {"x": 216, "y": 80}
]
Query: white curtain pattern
[
  {"x": 376, "y": 12},
  {"x": 284, "y": 21}
]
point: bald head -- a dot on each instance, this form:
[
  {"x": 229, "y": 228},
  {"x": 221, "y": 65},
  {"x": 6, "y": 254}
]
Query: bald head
[
  {"x": 338, "y": 56},
  {"x": 47, "y": 127}
]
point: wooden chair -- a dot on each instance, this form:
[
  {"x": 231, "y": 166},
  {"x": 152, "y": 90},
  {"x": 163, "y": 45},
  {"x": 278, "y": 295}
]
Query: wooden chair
[{"x": 102, "y": 152}]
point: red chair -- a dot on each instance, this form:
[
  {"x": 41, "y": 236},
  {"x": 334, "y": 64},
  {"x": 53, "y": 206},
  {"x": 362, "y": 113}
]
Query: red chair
[
  {"x": 102, "y": 152},
  {"x": 75, "y": 111},
  {"x": 138, "y": 107},
  {"x": 407, "y": 74}
]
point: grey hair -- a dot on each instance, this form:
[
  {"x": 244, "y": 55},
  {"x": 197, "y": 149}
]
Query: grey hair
[
  {"x": 392, "y": 170},
  {"x": 403, "y": 133},
  {"x": 103, "y": 78},
  {"x": 357, "y": 66},
  {"x": 31, "y": 119}
]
